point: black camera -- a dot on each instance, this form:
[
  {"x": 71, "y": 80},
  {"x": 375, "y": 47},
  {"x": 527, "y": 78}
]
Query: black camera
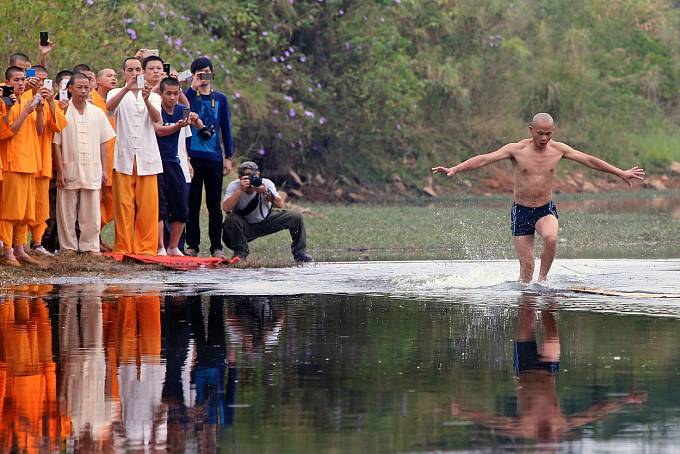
[
  {"x": 255, "y": 181},
  {"x": 207, "y": 132}
]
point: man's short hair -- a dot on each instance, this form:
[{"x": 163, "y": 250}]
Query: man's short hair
[
  {"x": 76, "y": 76},
  {"x": 62, "y": 74},
  {"x": 41, "y": 69},
  {"x": 168, "y": 82},
  {"x": 247, "y": 165},
  {"x": 201, "y": 63},
  {"x": 11, "y": 71},
  {"x": 79, "y": 68},
  {"x": 127, "y": 60},
  {"x": 149, "y": 59},
  {"x": 15, "y": 57}
]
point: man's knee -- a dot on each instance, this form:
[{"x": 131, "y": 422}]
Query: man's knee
[
  {"x": 233, "y": 221},
  {"x": 550, "y": 240},
  {"x": 294, "y": 218}
]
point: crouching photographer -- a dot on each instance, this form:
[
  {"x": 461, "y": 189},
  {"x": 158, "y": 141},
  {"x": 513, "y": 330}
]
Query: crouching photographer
[{"x": 249, "y": 203}]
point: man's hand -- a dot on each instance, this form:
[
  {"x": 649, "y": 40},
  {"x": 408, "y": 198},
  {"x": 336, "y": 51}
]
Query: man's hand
[
  {"x": 449, "y": 171},
  {"x": 44, "y": 50},
  {"x": 191, "y": 170},
  {"x": 41, "y": 105},
  {"x": 33, "y": 83},
  {"x": 226, "y": 167},
  {"x": 63, "y": 103},
  {"x": 193, "y": 119},
  {"x": 245, "y": 182},
  {"x": 105, "y": 179},
  {"x": 47, "y": 94},
  {"x": 141, "y": 54},
  {"x": 29, "y": 108},
  {"x": 130, "y": 84},
  {"x": 196, "y": 82},
  {"x": 61, "y": 180},
  {"x": 635, "y": 173},
  {"x": 146, "y": 91}
]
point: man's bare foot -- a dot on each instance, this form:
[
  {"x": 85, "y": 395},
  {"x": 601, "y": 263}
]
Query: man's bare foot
[
  {"x": 22, "y": 256},
  {"x": 10, "y": 261}
]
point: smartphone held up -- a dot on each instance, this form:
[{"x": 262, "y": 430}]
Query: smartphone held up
[
  {"x": 140, "y": 81},
  {"x": 44, "y": 39}
]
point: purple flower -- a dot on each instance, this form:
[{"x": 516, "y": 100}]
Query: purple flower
[
  {"x": 398, "y": 126},
  {"x": 289, "y": 82},
  {"x": 289, "y": 67},
  {"x": 322, "y": 120},
  {"x": 131, "y": 33},
  {"x": 237, "y": 95},
  {"x": 265, "y": 33},
  {"x": 318, "y": 85},
  {"x": 382, "y": 20},
  {"x": 275, "y": 60},
  {"x": 398, "y": 2},
  {"x": 128, "y": 20},
  {"x": 292, "y": 113},
  {"x": 275, "y": 112},
  {"x": 286, "y": 54},
  {"x": 261, "y": 151},
  {"x": 341, "y": 12},
  {"x": 302, "y": 59},
  {"x": 279, "y": 135},
  {"x": 310, "y": 89},
  {"x": 288, "y": 98},
  {"x": 179, "y": 42},
  {"x": 309, "y": 114},
  {"x": 90, "y": 2},
  {"x": 348, "y": 45}
]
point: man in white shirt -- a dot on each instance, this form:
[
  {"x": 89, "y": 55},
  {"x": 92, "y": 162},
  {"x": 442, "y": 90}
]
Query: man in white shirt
[
  {"x": 82, "y": 169},
  {"x": 249, "y": 202},
  {"x": 136, "y": 162}
]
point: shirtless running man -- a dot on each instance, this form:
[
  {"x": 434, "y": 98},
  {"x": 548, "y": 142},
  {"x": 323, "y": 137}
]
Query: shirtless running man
[{"x": 534, "y": 163}]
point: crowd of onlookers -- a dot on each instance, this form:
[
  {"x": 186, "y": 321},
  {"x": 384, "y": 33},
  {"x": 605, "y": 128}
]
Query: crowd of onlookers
[{"x": 81, "y": 150}]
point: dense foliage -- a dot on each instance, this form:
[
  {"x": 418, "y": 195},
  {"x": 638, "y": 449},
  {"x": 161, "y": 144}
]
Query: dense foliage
[{"x": 371, "y": 87}]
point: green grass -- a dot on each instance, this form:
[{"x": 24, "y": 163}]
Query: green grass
[
  {"x": 656, "y": 148},
  {"x": 638, "y": 225}
]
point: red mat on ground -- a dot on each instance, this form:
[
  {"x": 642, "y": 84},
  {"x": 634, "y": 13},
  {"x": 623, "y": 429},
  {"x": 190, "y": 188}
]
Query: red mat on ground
[{"x": 175, "y": 263}]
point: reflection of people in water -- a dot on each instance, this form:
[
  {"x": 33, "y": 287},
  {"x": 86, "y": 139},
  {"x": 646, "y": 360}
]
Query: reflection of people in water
[
  {"x": 141, "y": 372},
  {"x": 254, "y": 323},
  {"x": 29, "y": 417},
  {"x": 179, "y": 352},
  {"x": 539, "y": 415},
  {"x": 215, "y": 399},
  {"x": 84, "y": 367}
]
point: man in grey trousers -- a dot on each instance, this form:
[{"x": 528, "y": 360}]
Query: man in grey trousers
[{"x": 249, "y": 203}]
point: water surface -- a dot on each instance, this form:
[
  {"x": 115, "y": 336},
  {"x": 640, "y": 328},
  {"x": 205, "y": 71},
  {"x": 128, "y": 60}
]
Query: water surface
[{"x": 350, "y": 357}]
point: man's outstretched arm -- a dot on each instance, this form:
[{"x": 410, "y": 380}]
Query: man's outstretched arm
[
  {"x": 476, "y": 162},
  {"x": 603, "y": 166}
]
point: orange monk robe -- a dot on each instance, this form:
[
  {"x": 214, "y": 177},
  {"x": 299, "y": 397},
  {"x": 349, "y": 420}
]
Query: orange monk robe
[
  {"x": 107, "y": 190},
  {"x": 5, "y": 133},
  {"x": 20, "y": 157},
  {"x": 30, "y": 379},
  {"x": 44, "y": 174}
]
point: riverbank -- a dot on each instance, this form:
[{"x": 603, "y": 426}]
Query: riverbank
[{"x": 639, "y": 224}]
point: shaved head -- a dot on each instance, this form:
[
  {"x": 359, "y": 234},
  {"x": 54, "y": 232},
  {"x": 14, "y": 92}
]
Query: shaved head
[
  {"x": 104, "y": 72},
  {"x": 542, "y": 119}
]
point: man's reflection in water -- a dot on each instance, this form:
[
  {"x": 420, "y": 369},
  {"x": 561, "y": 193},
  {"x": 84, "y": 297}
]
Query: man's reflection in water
[
  {"x": 539, "y": 415},
  {"x": 141, "y": 372},
  {"x": 83, "y": 364},
  {"x": 255, "y": 323},
  {"x": 29, "y": 416},
  {"x": 179, "y": 350}
]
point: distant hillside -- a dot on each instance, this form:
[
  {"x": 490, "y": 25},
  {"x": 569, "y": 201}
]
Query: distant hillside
[{"x": 368, "y": 88}]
